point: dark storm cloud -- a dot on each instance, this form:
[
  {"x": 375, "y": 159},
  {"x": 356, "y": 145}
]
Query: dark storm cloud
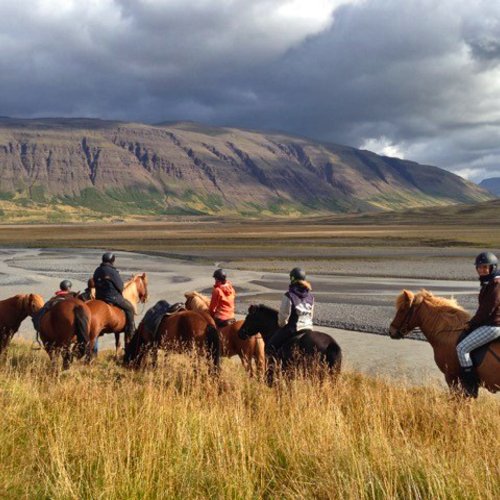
[{"x": 417, "y": 78}]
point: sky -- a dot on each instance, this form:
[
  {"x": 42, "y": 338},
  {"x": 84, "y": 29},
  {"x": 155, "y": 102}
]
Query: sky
[{"x": 416, "y": 79}]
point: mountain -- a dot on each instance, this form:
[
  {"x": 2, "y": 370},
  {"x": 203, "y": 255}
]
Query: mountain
[
  {"x": 63, "y": 169},
  {"x": 492, "y": 185}
]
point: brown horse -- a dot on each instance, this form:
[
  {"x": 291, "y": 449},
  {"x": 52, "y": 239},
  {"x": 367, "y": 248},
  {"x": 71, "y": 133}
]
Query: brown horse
[
  {"x": 178, "y": 332},
  {"x": 106, "y": 318},
  {"x": 13, "y": 312},
  {"x": 231, "y": 344},
  {"x": 441, "y": 321},
  {"x": 63, "y": 327}
]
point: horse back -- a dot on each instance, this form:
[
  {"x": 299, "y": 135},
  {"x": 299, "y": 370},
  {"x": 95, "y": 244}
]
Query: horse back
[{"x": 313, "y": 340}]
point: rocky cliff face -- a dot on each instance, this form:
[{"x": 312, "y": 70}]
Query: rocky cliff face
[{"x": 136, "y": 168}]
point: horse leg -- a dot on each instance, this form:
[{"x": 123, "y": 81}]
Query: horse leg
[
  {"x": 271, "y": 371},
  {"x": 67, "y": 356},
  {"x": 247, "y": 363},
  {"x": 5, "y": 337},
  {"x": 117, "y": 345},
  {"x": 154, "y": 356},
  {"x": 53, "y": 353},
  {"x": 89, "y": 350},
  {"x": 259, "y": 356}
]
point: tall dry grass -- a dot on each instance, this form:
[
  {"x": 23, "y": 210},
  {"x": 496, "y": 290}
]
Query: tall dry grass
[{"x": 105, "y": 432}]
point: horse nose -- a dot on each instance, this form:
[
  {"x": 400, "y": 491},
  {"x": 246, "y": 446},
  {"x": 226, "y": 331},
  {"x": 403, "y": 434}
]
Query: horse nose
[{"x": 394, "y": 333}]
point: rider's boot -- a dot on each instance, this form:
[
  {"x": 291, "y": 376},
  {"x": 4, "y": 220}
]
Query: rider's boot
[{"x": 469, "y": 382}]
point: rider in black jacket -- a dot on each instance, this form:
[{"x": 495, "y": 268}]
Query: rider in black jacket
[{"x": 109, "y": 288}]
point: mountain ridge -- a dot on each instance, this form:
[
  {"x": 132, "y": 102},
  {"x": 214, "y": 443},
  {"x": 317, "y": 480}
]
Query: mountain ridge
[
  {"x": 491, "y": 184},
  {"x": 120, "y": 168}
]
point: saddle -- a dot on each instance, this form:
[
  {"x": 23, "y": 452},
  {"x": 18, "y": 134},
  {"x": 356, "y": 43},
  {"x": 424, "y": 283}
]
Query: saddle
[
  {"x": 155, "y": 314},
  {"x": 477, "y": 355},
  {"x": 293, "y": 339},
  {"x": 37, "y": 318}
]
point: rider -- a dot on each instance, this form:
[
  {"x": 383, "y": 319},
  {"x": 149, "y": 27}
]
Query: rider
[
  {"x": 485, "y": 325},
  {"x": 222, "y": 302},
  {"x": 64, "y": 289},
  {"x": 109, "y": 288},
  {"x": 296, "y": 311}
]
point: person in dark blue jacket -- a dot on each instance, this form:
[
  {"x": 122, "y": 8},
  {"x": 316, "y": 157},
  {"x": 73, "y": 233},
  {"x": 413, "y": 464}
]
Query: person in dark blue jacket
[{"x": 109, "y": 288}]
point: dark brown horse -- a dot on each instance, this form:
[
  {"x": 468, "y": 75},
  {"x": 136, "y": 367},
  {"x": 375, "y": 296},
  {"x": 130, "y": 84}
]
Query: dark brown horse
[
  {"x": 179, "y": 332},
  {"x": 13, "y": 312},
  {"x": 231, "y": 344},
  {"x": 302, "y": 351},
  {"x": 441, "y": 321},
  {"x": 106, "y": 318},
  {"x": 64, "y": 329}
]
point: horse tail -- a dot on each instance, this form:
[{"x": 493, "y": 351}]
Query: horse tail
[
  {"x": 81, "y": 325},
  {"x": 334, "y": 357},
  {"x": 213, "y": 347}
]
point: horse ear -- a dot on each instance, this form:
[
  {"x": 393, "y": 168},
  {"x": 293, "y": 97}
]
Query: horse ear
[
  {"x": 252, "y": 309},
  {"x": 408, "y": 296}
]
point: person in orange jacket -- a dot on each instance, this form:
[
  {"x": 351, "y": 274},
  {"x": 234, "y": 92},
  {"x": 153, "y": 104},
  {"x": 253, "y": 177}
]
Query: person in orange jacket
[{"x": 222, "y": 302}]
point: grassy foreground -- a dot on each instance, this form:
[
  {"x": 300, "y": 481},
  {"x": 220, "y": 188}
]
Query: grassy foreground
[{"x": 105, "y": 432}]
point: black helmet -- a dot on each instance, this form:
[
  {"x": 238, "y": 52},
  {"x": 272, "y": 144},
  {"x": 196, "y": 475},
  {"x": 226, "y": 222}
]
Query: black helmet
[
  {"x": 487, "y": 258},
  {"x": 65, "y": 285},
  {"x": 108, "y": 257},
  {"x": 297, "y": 274},
  {"x": 219, "y": 275}
]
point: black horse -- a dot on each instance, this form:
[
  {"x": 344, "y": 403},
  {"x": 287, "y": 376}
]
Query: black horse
[{"x": 302, "y": 348}]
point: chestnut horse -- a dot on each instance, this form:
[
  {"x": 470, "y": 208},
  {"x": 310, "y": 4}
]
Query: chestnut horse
[
  {"x": 64, "y": 326},
  {"x": 231, "y": 344},
  {"x": 178, "y": 332},
  {"x": 107, "y": 318},
  {"x": 441, "y": 321},
  {"x": 13, "y": 312}
]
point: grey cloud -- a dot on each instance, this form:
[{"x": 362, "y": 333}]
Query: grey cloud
[{"x": 421, "y": 74}]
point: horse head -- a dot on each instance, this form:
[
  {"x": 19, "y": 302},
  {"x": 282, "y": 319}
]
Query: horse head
[
  {"x": 32, "y": 303},
  {"x": 141, "y": 283},
  {"x": 260, "y": 319},
  {"x": 405, "y": 320}
]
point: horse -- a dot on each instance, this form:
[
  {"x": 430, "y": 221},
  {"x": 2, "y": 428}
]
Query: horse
[
  {"x": 65, "y": 324},
  {"x": 442, "y": 321},
  {"x": 89, "y": 292},
  {"x": 178, "y": 332},
  {"x": 300, "y": 351},
  {"x": 231, "y": 343},
  {"x": 13, "y": 312},
  {"x": 107, "y": 318}
]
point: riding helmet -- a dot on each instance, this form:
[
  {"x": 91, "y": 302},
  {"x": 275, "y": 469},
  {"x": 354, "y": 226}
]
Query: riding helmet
[
  {"x": 65, "y": 285},
  {"x": 487, "y": 258},
  {"x": 108, "y": 257},
  {"x": 297, "y": 274},
  {"x": 219, "y": 275}
]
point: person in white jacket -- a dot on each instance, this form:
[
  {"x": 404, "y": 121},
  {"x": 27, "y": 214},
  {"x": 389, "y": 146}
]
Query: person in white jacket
[{"x": 296, "y": 311}]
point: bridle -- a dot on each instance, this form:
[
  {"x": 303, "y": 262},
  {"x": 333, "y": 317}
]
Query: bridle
[{"x": 407, "y": 320}]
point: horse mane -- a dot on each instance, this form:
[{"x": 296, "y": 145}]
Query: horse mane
[
  {"x": 23, "y": 299},
  {"x": 200, "y": 300},
  {"x": 450, "y": 315},
  {"x": 266, "y": 309}
]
